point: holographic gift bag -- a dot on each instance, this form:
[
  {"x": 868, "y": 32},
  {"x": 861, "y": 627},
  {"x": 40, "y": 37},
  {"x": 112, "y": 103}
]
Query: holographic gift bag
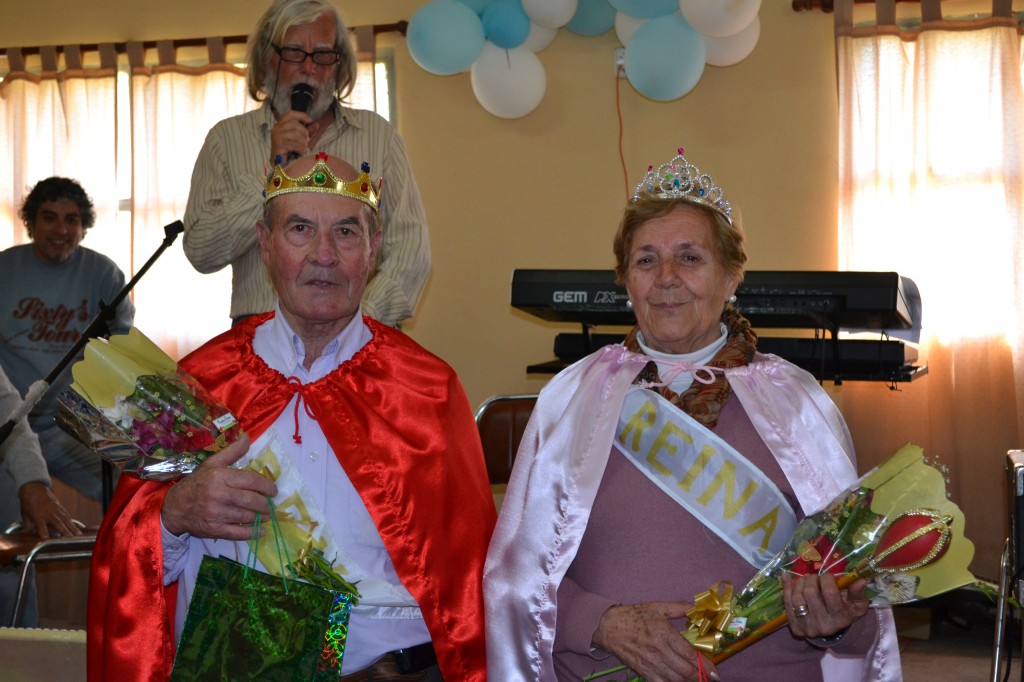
[{"x": 244, "y": 624}]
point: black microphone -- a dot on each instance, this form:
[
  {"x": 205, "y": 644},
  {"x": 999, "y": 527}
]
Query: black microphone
[
  {"x": 302, "y": 100},
  {"x": 302, "y": 97}
]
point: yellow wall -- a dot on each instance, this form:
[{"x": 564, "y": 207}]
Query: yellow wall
[{"x": 546, "y": 190}]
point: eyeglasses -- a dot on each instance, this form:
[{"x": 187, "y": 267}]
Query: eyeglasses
[{"x": 297, "y": 56}]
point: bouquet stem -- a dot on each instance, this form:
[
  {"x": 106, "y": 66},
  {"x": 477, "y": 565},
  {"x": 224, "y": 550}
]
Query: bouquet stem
[
  {"x": 609, "y": 671},
  {"x": 775, "y": 623}
]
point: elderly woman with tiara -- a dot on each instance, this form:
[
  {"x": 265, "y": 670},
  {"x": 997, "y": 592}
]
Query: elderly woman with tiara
[{"x": 653, "y": 469}]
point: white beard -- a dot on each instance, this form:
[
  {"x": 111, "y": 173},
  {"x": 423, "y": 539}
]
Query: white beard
[{"x": 281, "y": 98}]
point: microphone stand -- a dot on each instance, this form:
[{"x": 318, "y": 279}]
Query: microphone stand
[{"x": 98, "y": 327}]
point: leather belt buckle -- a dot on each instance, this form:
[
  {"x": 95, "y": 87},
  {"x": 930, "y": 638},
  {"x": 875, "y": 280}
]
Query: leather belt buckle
[{"x": 415, "y": 658}]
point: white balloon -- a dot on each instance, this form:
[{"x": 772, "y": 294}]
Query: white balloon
[
  {"x": 735, "y": 48},
  {"x": 508, "y": 83},
  {"x": 626, "y": 26},
  {"x": 550, "y": 13},
  {"x": 719, "y": 18},
  {"x": 539, "y": 37}
]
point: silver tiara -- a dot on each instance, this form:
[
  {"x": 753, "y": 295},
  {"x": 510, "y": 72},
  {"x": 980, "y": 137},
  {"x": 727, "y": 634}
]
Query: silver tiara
[{"x": 680, "y": 179}]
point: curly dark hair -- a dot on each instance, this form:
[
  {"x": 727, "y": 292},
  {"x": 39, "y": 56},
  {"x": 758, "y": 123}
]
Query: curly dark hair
[{"x": 54, "y": 189}]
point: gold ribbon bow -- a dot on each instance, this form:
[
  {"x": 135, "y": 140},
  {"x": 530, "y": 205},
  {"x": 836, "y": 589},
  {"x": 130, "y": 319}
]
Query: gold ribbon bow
[
  {"x": 304, "y": 559},
  {"x": 710, "y": 615}
]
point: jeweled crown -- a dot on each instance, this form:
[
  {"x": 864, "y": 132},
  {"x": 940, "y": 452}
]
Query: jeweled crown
[
  {"x": 680, "y": 179},
  {"x": 319, "y": 178}
]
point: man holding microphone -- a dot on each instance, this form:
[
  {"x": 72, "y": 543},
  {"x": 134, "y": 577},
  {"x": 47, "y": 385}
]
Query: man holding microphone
[{"x": 301, "y": 65}]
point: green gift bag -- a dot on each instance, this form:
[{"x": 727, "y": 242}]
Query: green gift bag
[{"x": 243, "y": 624}]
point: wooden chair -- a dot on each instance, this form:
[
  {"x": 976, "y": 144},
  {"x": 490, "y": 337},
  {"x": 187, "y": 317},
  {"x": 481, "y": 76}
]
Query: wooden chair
[
  {"x": 501, "y": 420},
  {"x": 18, "y": 548}
]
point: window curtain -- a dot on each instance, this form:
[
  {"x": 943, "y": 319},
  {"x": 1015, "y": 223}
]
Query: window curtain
[
  {"x": 103, "y": 125},
  {"x": 931, "y": 168},
  {"x": 173, "y": 106},
  {"x": 59, "y": 122}
]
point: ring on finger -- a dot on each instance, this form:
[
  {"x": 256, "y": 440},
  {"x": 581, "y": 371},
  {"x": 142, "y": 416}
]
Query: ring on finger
[{"x": 800, "y": 611}]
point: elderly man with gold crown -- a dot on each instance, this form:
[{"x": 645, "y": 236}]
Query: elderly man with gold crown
[
  {"x": 370, "y": 431},
  {"x": 652, "y": 470}
]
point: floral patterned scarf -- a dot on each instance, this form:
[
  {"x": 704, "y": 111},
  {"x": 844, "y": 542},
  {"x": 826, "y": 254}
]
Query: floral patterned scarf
[{"x": 704, "y": 402}]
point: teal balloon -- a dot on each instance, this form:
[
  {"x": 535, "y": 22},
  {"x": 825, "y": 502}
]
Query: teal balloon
[
  {"x": 592, "y": 18},
  {"x": 665, "y": 58},
  {"x": 445, "y": 37},
  {"x": 477, "y": 6},
  {"x": 645, "y": 9},
  {"x": 505, "y": 23}
]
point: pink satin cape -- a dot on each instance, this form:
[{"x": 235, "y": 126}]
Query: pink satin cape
[
  {"x": 558, "y": 470},
  {"x": 399, "y": 422}
]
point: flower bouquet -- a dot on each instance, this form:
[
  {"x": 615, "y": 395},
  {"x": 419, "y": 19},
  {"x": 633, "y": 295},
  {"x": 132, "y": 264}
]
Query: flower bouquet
[
  {"x": 137, "y": 409},
  {"x": 895, "y": 527}
]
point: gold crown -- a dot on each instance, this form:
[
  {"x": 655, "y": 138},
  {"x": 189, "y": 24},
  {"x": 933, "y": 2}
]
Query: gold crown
[
  {"x": 680, "y": 179},
  {"x": 319, "y": 178}
]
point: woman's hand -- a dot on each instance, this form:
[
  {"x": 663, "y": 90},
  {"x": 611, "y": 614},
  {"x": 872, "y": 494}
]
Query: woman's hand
[
  {"x": 216, "y": 500},
  {"x": 826, "y": 609},
  {"x": 643, "y": 637}
]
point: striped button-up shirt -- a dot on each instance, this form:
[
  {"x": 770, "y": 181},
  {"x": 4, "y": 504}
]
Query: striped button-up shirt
[{"x": 226, "y": 201}]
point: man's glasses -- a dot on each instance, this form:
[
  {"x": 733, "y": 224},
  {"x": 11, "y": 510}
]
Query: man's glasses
[{"x": 297, "y": 56}]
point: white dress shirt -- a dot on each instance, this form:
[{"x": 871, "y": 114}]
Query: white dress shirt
[
  {"x": 374, "y": 629},
  {"x": 225, "y": 202}
]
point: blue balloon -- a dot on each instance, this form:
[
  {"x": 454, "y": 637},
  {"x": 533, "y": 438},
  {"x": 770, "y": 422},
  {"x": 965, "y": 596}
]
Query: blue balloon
[
  {"x": 506, "y": 23},
  {"x": 665, "y": 58},
  {"x": 592, "y": 18},
  {"x": 477, "y": 6},
  {"x": 445, "y": 37},
  {"x": 646, "y": 9}
]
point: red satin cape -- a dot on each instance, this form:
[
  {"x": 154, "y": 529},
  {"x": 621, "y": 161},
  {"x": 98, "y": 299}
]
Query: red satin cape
[{"x": 399, "y": 422}]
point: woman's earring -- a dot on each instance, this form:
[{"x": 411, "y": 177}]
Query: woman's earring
[
  {"x": 732, "y": 299},
  {"x": 629, "y": 303}
]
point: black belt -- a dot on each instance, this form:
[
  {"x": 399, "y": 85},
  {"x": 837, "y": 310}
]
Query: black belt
[
  {"x": 407, "y": 661},
  {"x": 415, "y": 658}
]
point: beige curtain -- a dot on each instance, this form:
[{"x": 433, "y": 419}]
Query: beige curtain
[
  {"x": 172, "y": 109},
  {"x": 58, "y": 118},
  {"x": 173, "y": 106},
  {"x": 59, "y": 122},
  {"x": 931, "y": 169}
]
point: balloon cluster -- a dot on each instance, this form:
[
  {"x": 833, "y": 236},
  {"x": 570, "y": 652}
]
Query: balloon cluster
[{"x": 668, "y": 42}]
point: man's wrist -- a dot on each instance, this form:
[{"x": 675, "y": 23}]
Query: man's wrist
[
  {"x": 33, "y": 485},
  {"x": 168, "y": 534},
  {"x": 169, "y": 520}
]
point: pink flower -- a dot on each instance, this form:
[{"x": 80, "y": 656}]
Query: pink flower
[{"x": 158, "y": 433}]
